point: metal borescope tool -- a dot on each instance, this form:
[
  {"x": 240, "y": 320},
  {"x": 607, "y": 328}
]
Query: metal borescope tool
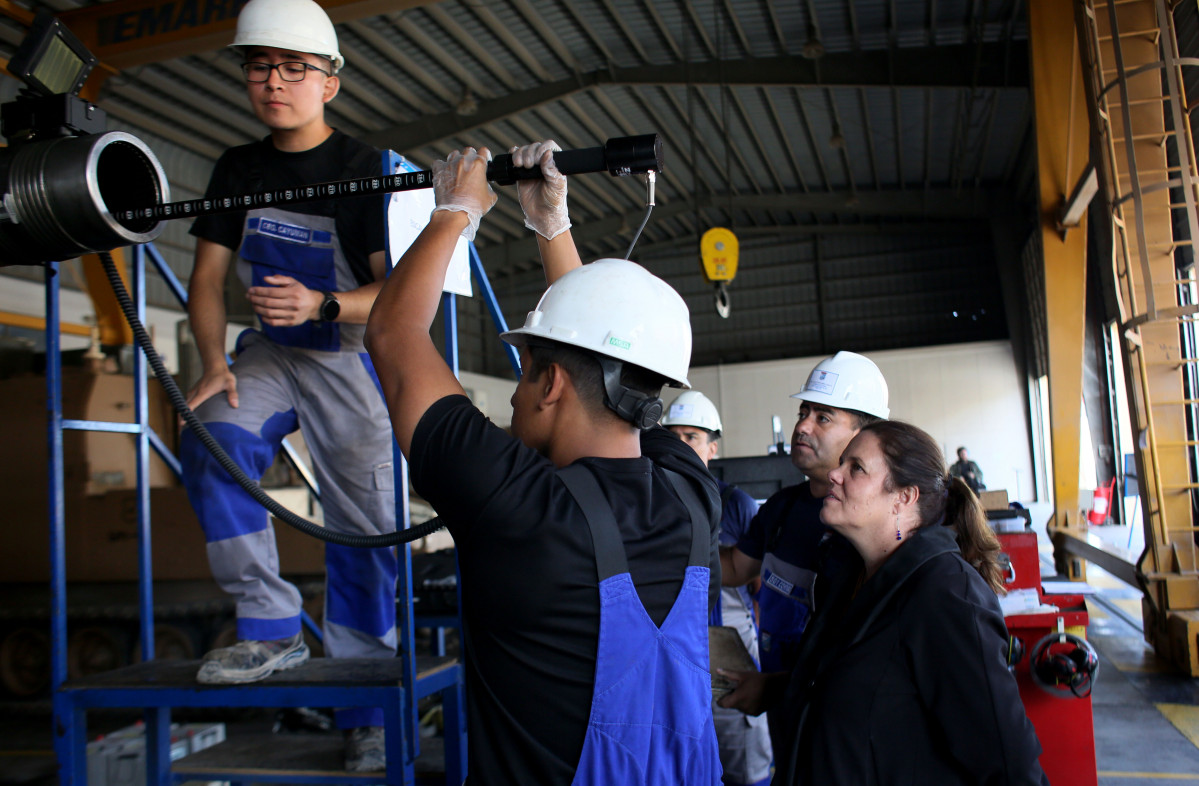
[
  {"x": 68, "y": 188},
  {"x": 621, "y": 156},
  {"x": 74, "y": 195},
  {"x": 625, "y": 155}
]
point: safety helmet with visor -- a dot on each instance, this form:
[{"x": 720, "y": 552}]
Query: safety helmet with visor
[
  {"x": 693, "y": 408},
  {"x": 293, "y": 25},
  {"x": 847, "y": 380},
  {"x": 620, "y": 313}
]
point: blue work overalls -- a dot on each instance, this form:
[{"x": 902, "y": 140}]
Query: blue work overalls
[
  {"x": 651, "y": 713},
  {"x": 315, "y": 376},
  {"x": 785, "y": 602},
  {"x": 785, "y": 605}
]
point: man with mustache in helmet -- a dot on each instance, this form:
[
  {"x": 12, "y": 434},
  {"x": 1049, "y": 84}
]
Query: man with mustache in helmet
[{"x": 787, "y": 545}]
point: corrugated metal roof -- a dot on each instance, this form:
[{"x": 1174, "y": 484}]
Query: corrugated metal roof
[{"x": 858, "y": 182}]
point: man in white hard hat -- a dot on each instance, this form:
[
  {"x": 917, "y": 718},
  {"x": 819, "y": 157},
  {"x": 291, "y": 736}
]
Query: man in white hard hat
[
  {"x": 312, "y": 272},
  {"x": 745, "y": 752},
  {"x": 586, "y": 538},
  {"x": 787, "y": 544}
]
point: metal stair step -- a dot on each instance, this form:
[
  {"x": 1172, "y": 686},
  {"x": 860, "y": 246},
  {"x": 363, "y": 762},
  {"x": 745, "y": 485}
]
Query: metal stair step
[
  {"x": 291, "y": 758},
  {"x": 316, "y": 676}
]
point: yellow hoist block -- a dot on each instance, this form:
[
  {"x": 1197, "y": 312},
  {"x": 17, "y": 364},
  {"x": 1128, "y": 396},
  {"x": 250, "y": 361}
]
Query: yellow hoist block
[{"x": 718, "y": 248}]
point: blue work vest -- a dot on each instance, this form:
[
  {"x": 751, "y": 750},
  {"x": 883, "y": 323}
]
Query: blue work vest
[
  {"x": 785, "y": 606},
  {"x": 651, "y": 710},
  {"x": 282, "y": 242}
]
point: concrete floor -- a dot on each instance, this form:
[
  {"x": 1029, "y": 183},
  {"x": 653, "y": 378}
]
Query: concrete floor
[{"x": 1146, "y": 718}]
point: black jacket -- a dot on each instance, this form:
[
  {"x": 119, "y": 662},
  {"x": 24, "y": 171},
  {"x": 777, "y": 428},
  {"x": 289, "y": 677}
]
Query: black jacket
[{"x": 906, "y": 682}]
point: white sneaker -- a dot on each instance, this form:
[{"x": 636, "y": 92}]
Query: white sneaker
[
  {"x": 250, "y": 661},
  {"x": 364, "y": 749}
]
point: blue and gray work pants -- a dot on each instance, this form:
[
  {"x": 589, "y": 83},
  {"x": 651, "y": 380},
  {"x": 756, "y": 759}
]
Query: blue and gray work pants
[{"x": 329, "y": 390}]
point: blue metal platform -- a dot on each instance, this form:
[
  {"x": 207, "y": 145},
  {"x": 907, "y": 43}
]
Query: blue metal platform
[
  {"x": 395, "y": 685},
  {"x": 161, "y": 685}
]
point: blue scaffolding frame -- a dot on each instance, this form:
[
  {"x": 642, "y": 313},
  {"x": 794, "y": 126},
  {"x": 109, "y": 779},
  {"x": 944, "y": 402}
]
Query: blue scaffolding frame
[{"x": 157, "y": 686}]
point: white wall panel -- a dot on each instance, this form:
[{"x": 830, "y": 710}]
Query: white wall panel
[{"x": 962, "y": 394}]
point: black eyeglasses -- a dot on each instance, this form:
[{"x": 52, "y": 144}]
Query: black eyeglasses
[{"x": 288, "y": 72}]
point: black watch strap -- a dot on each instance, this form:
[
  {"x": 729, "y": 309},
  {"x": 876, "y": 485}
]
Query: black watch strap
[{"x": 330, "y": 308}]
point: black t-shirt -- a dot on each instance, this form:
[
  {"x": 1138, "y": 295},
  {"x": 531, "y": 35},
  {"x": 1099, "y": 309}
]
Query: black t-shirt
[
  {"x": 787, "y": 525},
  {"x": 259, "y": 166},
  {"x": 530, "y": 603}
]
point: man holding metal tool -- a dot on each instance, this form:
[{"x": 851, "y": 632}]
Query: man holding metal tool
[
  {"x": 312, "y": 273},
  {"x": 587, "y": 538}
]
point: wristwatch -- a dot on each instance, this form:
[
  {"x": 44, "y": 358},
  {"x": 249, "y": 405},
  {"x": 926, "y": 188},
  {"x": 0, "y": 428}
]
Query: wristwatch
[{"x": 330, "y": 308}]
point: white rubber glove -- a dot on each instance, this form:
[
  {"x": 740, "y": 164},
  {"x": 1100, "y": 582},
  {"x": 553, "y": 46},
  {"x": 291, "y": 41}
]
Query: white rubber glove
[
  {"x": 544, "y": 201},
  {"x": 460, "y": 183}
]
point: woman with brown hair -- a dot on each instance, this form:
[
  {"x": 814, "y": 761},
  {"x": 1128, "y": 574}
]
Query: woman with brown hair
[{"x": 902, "y": 677}]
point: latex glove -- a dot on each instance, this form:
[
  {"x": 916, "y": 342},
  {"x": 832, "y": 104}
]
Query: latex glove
[
  {"x": 460, "y": 183},
  {"x": 544, "y": 201}
]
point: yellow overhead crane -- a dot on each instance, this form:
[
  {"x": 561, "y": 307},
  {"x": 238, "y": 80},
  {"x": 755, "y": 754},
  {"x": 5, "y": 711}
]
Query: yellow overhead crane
[
  {"x": 1107, "y": 77},
  {"x": 1062, "y": 136}
]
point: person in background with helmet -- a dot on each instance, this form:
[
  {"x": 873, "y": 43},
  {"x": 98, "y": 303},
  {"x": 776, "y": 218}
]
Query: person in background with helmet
[
  {"x": 787, "y": 545},
  {"x": 745, "y": 752},
  {"x": 587, "y": 538},
  {"x": 312, "y": 272}
]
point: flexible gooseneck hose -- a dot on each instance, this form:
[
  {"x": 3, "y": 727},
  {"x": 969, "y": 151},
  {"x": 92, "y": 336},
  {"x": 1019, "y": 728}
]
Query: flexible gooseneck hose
[{"x": 252, "y": 488}]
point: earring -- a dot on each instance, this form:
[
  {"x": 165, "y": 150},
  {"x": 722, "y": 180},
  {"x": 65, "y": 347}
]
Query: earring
[{"x": 898, "y": 534}]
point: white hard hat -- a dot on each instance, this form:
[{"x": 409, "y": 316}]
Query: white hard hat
[
  {"x": 295, "y": 25},
  {"x": 847, "y": 380},
  {"x": 615, "y": 308},
  {"x": 693, "y": 408}
]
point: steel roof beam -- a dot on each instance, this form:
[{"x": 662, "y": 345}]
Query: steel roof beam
[
  {"x": 756, "y": 138},
  {"x": 935, "y": 66},
  {"x": 935, "y": 204},
  {"x": 783, "y": 136},
  {"x": 533, "y": 18},
  {"x": 168, "y": 131},
  {"x": 869, "y": 134},
  {"x": 663, "y": 30},
  {"x": 619, "y": 21},
  {"x": 173, "y": 93},
  {"x": 810, "y": 135},
  {"x": 700, "y": 30},
  {"x": 127, "y": 33},
  {"x": 900, "y": 175},
  {"x": 477, "y": 50},
  {"x": 776, "y": 27}
]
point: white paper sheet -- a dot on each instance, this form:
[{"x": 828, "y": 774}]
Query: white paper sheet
[
  {"x": 1067, "y": 588},
  {"x": 1023, "y": 601},
  {"x": 407, "y": 214}
]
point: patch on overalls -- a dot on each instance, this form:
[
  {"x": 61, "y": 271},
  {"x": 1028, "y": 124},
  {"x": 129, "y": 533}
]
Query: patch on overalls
[
  {"x": 779, "y": 583},
  {"x": 283, "y": 231}
]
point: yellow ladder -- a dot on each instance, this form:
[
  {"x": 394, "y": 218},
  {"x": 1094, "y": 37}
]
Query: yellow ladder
[{"x": 1138, "y": 109}]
